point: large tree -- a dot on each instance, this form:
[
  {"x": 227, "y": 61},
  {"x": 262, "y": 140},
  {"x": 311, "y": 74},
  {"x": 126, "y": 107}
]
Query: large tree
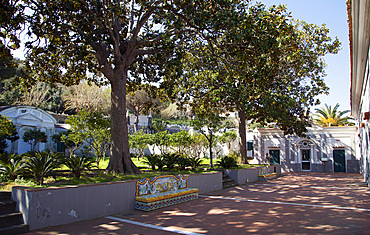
[
  {"x": 11, "y": 19},
  {"x": 105, "y": 38},
  {"x": 263, "y": 65}
]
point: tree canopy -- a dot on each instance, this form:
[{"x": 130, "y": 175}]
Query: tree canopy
[
  {"x": 260, "y": 63},
  {"x": 243, "y": 57},
  {"x": 107, "y": 39}
]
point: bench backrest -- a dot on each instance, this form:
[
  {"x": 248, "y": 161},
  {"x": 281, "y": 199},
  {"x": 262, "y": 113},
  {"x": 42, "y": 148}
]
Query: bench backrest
[{"x": 161, "y": 183}]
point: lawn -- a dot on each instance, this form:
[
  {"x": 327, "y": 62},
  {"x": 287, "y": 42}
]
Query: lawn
[{"x": 62, "y": 176}]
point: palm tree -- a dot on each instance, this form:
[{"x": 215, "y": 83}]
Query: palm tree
[
  {"x": 159, "y": 126},
  {"x": 328, "y": 116}
]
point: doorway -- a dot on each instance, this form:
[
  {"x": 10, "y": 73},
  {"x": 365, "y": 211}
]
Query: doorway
[
  {"x": 339, "y": 157},
  {"x": 306, "y": 159},
  {"x": 275, "y": 157}
]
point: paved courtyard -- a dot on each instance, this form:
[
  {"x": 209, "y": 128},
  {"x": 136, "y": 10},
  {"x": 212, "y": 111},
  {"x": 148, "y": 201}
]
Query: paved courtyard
[{"x": 300, "y": 203}]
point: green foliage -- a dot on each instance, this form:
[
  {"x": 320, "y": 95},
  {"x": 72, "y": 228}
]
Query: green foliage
[
  {"x": 162, "y": 140},
  {"x": 10, "y": 73},
  {"x": 170, "y": 160},
  {"x": 11, "y": 19},
  {"x": 77, "y": 135},
  {"x": 6, "y": 126},
  {"x": 183, "y": 162},
  {"x": 180, "y": 140},
  {"x": 41, "y": 164},
  {"x": 11, "y": 166},
  {"x": 194, "y": 162},
  {"x": 140, "y": 140},
  {"x": 33, "y": 137},
  {"x": 79, "y": 164},
  {"x": 99, "y": 137},
  {"x": 160, "y": 161},
  {"x": 79, "y": 40},
  {"x": 260, "y": 63},
  {"x": 7, "y": 132},
  {"x": 208, "y": 122},
  {"x": 328, "y": 116},
  {"x": 227, "y": 137},
  {"x": 87, "y": 127},
  {"x": 151, "y": 160},
  {"x": 159, "y": 126},
  {"x": 227, "y": 162}
]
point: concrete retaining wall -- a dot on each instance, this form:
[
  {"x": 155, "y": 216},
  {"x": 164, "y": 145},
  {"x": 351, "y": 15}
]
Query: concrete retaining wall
[
  {"x": 243, "y": 176},
  {"x": 206, "y": 182},
  {"x": 56, "y": 206}
]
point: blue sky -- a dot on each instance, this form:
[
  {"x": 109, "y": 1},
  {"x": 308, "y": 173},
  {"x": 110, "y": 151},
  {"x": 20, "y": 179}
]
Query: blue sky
[{"x": 333, "y": 14}]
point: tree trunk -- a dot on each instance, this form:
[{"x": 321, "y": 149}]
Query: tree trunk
[
  {"x": 243, "y": 135},
  {"x": 120, "y": 160},
  {"x": 210, "y": 148},
  {"x": 136, "y": 124}
]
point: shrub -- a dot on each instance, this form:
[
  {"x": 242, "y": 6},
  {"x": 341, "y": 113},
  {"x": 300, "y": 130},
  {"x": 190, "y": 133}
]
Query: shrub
[
  {"x": 78, "y": 165},
  {"x": 160, "y": 161},
  {"x": 11, "y": 166},
  {"x": 170, "y": 160},
  {"x": 227, "y": 162},
  {"x": 41, "y": 164},
  {"x": 194, "y": 162},
  {"x": 182, "y": 162},
  {"x": 151, "y": 160},
  {"x": 236, "y": 156}
]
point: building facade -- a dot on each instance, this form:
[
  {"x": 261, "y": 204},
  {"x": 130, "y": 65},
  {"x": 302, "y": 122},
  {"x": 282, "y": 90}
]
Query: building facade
[
  {"x": 359, "y": 37},
  {"x": 25, "y": 118},
  {"x": 329, "y": 149}
]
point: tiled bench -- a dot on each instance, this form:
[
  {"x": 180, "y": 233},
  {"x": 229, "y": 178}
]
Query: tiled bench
[
  {"x": 265, "y": 174},
  {"x": 162, "y": 191}
]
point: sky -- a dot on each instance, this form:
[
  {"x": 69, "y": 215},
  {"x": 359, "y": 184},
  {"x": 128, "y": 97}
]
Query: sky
[{"x": 333, "y": 14}]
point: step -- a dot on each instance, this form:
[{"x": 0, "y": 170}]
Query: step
[
  {"x": 7, "y": 206},
  {"x": 5, "y": 195},
  {"x": 230, "y": 185},
  {"x": 14, "y": 229},
  {"x": 227, "y": 180},
  {"x": 9, "y": 219}
]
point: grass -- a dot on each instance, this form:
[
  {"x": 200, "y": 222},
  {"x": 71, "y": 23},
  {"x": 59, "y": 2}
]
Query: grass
[{"x": 64, "y": 178}]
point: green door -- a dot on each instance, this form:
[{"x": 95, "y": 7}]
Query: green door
[
  {"x": 275, "y": 157},
  {"x": 339, "y": 160}
]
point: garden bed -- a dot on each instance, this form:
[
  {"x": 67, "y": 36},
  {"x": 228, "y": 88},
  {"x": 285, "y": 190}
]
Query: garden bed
[{"x": 43, "y": 207}]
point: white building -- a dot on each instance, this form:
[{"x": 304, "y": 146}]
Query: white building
[
  {"x": 323, "y": 149},
  {"x": 26, "y": 118},
  {"x": 359, "y": 37}
]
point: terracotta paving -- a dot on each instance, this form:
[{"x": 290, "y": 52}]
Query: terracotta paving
[{"x": 295, "y": 203}]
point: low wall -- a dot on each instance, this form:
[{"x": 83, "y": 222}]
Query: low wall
[
  {"x": 206, "y": 182},
  {"x": 44, "y": 207},
  {"x": 243, "y": 176},
  {"x": 275, "y": 169}
]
